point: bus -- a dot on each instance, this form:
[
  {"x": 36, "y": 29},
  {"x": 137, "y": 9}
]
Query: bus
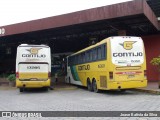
[
  {"x": 115, "y": 63},
  {"x": 33, "y": 66}
]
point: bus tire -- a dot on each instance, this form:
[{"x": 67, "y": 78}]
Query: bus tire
[
  {"x": 21, "y": 89},
  {"x": 51, "y": 87},
  {"x": 89, "y": 85},
  {"x": 45, "y": 88},
  {"x": 69, "y": 80},
  {"x": 94, "y": 86},
  {"x": 123, "y": 90}
]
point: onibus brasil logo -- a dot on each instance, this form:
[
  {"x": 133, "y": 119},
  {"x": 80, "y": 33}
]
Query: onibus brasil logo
[{"x": 128, "y": 45}]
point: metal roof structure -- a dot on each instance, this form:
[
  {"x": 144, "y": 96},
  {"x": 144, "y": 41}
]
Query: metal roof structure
[
  {"x": 136, "y": 17},
  {"x": 155, "y": 6},
  {"x": 72, "y": 32},
  {"x": 130, "y": 9}
]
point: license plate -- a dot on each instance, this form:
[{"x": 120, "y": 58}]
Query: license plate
[
  {"x": 33, "y": 79},
  {"x": 131, "y": 76}
]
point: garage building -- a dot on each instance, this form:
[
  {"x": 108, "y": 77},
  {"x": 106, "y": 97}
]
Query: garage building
[{"x": 74, "y": 31}]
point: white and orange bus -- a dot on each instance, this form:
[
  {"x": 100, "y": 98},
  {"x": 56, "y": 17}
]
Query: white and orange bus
[
  {"x": 115, "y": 63},
  {"x": 33, "y": 66}
]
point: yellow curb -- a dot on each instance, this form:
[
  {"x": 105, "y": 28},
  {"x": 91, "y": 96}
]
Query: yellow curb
[{"x": 148, "y": 91}]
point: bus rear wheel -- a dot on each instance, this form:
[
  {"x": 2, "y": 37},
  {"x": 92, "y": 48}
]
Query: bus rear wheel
[
  {"x": 45, "y": 88},
  {"x": 89, "y": 86},
  {"x": 21, "y": 89},
  {"x": 69, "y": 81},
  {"x": 94, "y": 86}
]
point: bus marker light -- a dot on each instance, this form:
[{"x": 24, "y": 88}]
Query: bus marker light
[
  {"x": 145, "y": 73},
  {"x": 110, "y": 75},
  {"x": 17, "y": 74}
]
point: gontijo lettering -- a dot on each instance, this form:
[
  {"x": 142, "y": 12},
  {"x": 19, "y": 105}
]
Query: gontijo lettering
[
  {"x": 128, "y": 54},
  {"x": 34, "y": 55},
  {"x": 84, "y": 67}
]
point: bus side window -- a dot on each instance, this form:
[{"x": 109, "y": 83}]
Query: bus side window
[
  {"x": 72, "y": 60},
  {"x": 99, "y": 53},
  {"x": 103, "y": 47},
  {"x": 69, "y": 61},
  {"x": 83, "y": 57},
  {"x": 76, "y": 60},
  {"x": 87, "y": 56},
  {"x": 74, "y": 57},
  {"x": 80, "y": 58},
  {"x": 90, "y": 55},
  {"x": 94, "y": 54}
]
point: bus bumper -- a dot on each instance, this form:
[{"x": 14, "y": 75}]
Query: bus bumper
[
  {"x": 32, "y": 84},
  {"x": 126, "y": 84}
]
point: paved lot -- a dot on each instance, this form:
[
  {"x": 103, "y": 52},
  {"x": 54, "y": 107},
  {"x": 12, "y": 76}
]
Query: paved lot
[{"x": 78, "y": 99}]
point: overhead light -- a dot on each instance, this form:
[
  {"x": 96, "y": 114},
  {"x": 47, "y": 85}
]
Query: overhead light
[{"x": 158, "y": 18}]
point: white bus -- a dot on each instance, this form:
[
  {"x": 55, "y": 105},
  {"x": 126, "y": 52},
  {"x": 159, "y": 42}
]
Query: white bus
[{"x": 33, "y": 66}]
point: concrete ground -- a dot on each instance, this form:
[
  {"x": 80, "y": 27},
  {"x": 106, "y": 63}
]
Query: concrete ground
[
  {"x": 152, "y": 87},
  {"x": 67, "y": 97},
  {"x": 72, "y": 98}
]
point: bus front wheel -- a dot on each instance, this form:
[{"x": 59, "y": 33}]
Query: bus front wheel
[{"x": 94, "y": 86}]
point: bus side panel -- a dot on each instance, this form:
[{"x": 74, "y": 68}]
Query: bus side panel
[
  {"x": 92, "y": 71},
  {"x": 72, "y": 76}
]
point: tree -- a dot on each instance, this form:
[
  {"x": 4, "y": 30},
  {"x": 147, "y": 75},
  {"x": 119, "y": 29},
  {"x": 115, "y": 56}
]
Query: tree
[{"x": 156, "y": 61}]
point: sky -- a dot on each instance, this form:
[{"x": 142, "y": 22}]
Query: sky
[{"x": 16, "y": 11}]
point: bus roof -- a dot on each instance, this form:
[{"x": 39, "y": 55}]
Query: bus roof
[
  {"x": 32, "y": 45},
  {"x": 99, "y": 43},
  {"x": 92, "y": 46}
]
